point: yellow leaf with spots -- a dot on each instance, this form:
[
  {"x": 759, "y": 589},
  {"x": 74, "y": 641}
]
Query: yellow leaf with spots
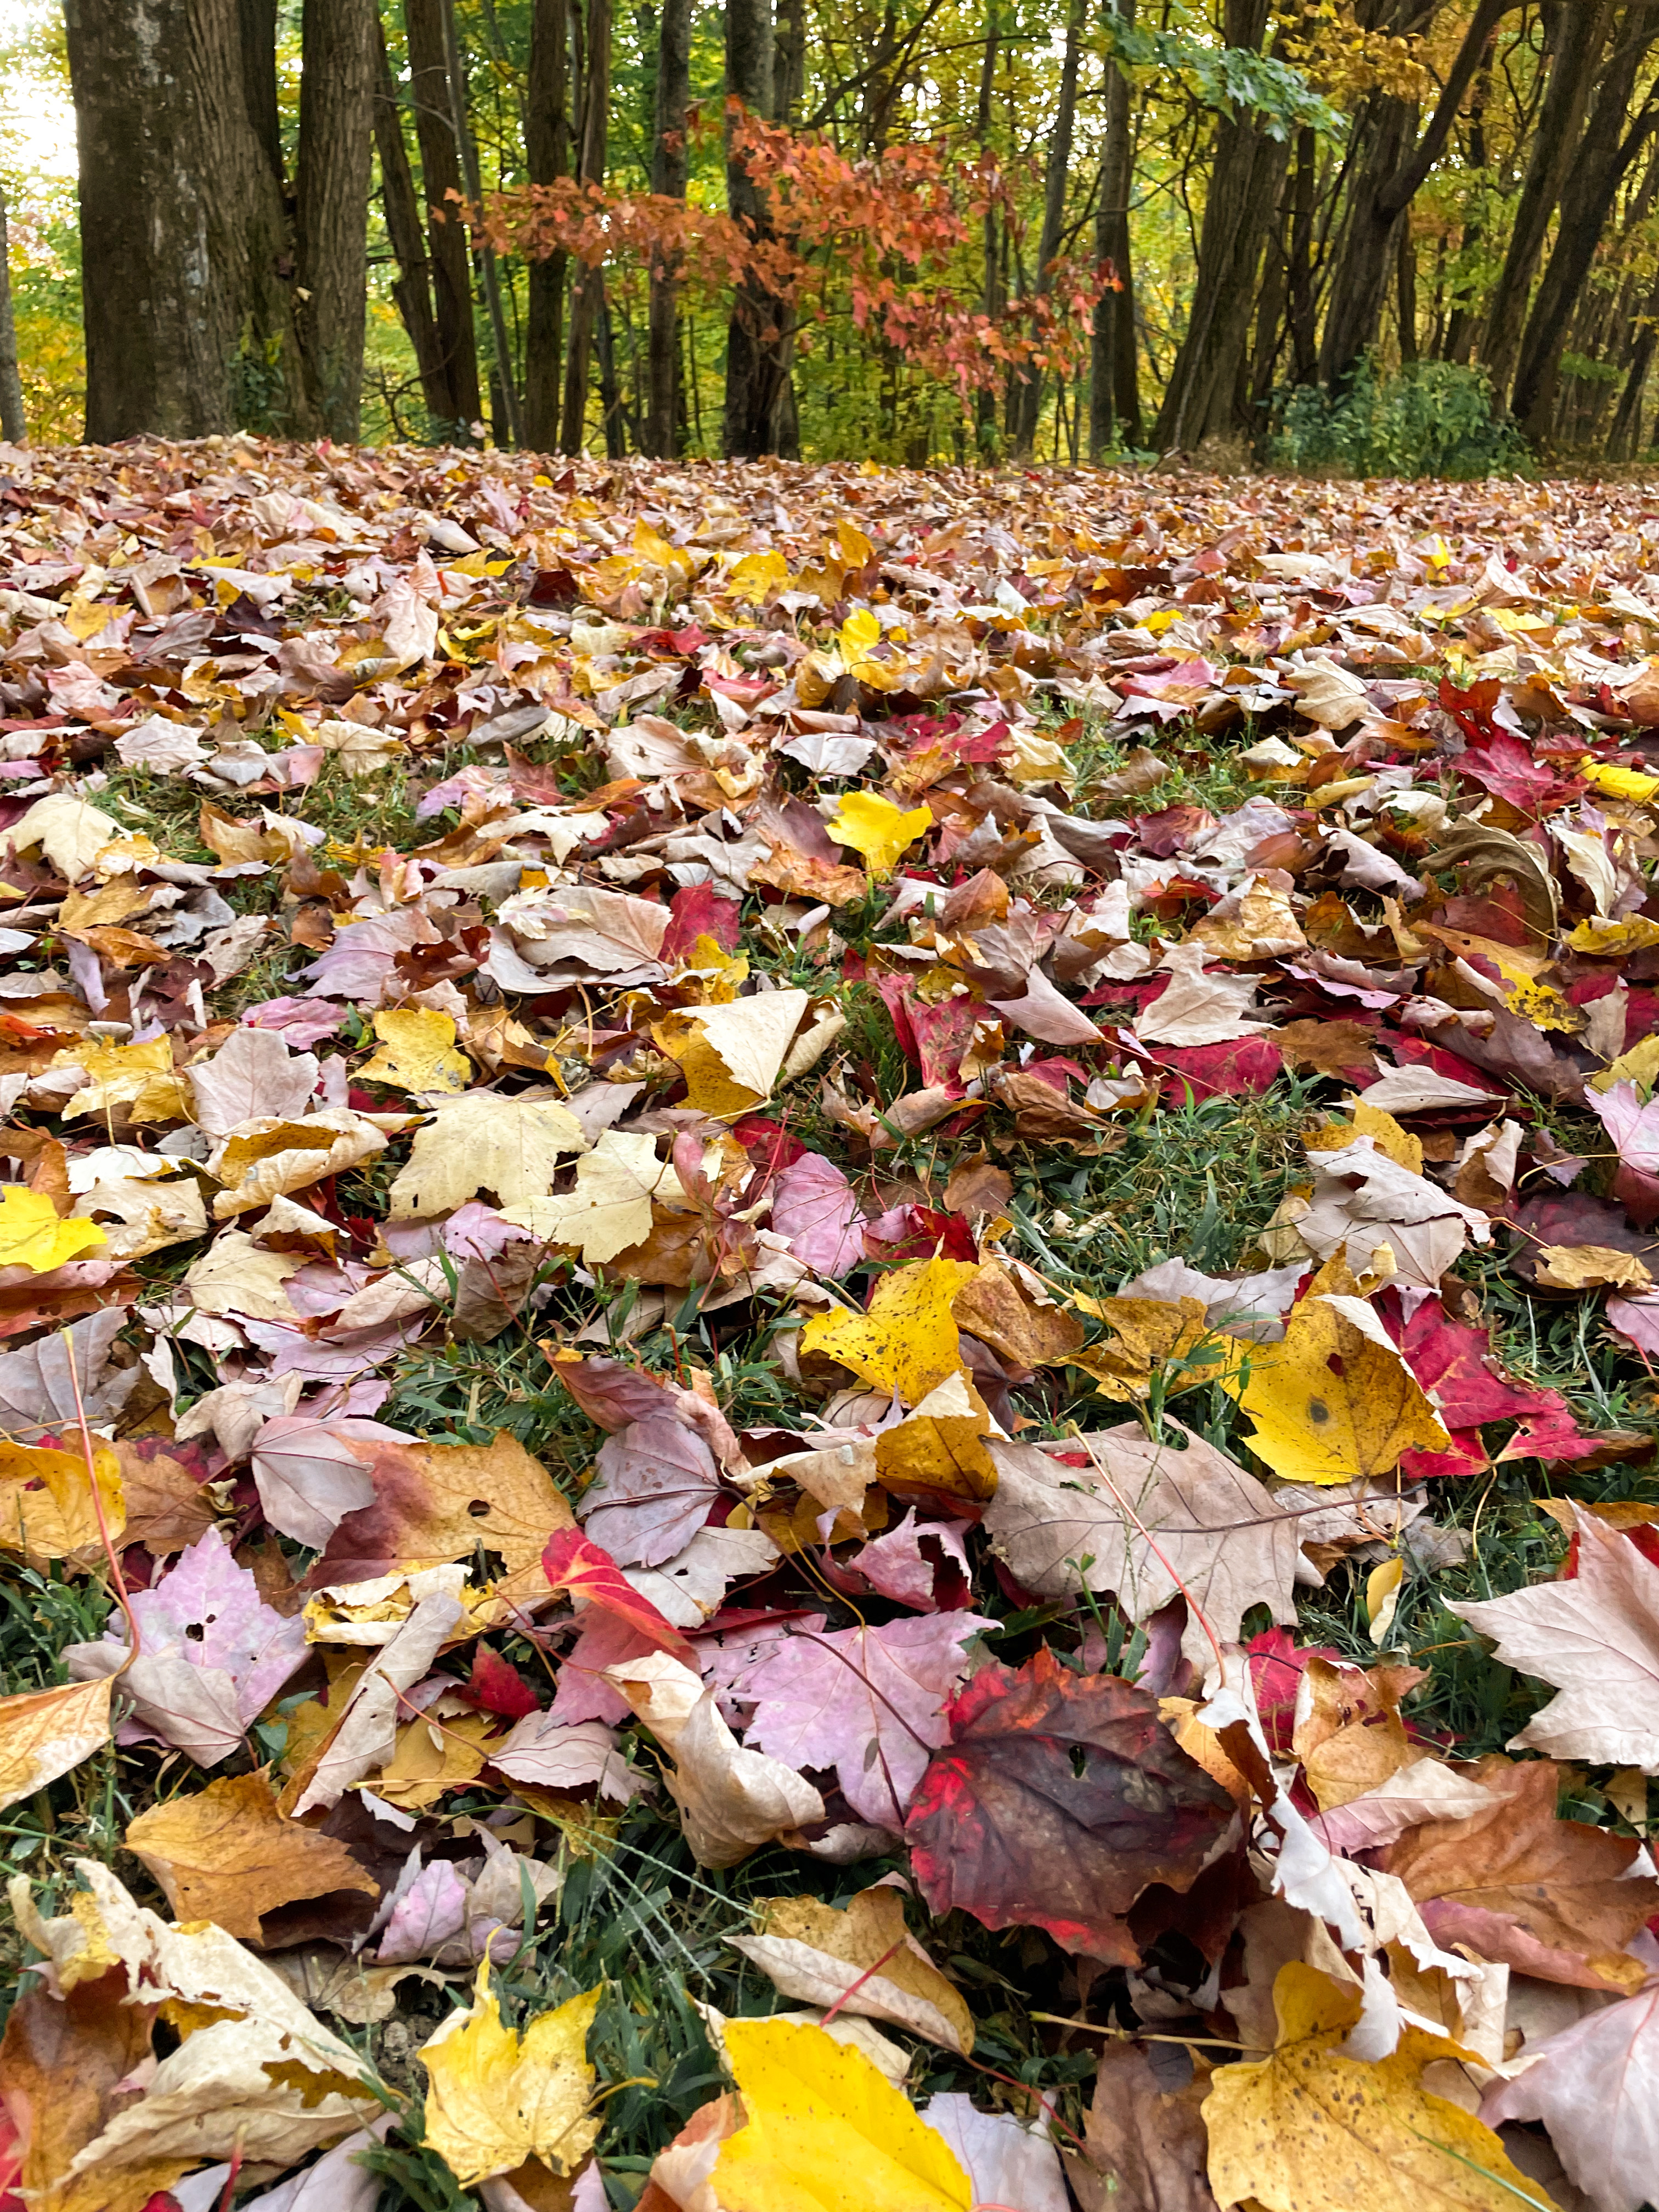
[
  {"x": 908, "y": 1341},
  {"x": 1332, "y": 1399},
  {"x": 757, "y": 577},
  {"x": 494, "y": 2099},
  {"x": 33, "y": 1237},
  {"x": 826, "y": 2132},
  {"x": 1163, "y": 1337},
  {"x": 878, "y": 829},
  {"x": 1612, "y": 940},
  {"x": 416, "y": 1053},
  {"x": 138, "y": 1078},
  {"x": 1308, "y": 2131},
  {"x": 46, "y": 1508},
  {"x": 44, "y": 1732}
]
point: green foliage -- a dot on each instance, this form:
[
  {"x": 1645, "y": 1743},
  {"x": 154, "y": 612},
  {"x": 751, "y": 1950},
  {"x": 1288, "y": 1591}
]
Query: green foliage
[{"x": 1431, "y": 418}]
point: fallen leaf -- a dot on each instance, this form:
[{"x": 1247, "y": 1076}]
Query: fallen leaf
[
  {"x": 1004, "y": 1826},
  {"x": 822, "y": 2127},
  {"x": 1590, "y": 1268},
  {"x": 227, "y": 1855},
  {"x": 46, "y": 1733},
  {"x": 859, "y": 1960},
  {"x": 495, "y": 2098},
  {"x": 609, "y": 1210},
  {"x": 510, "y": 1147},
  {"x": 416, "y": 1053},
  {"x": 877, "y": 829},
  {"x": 1595, "y": 2087},
  {"x": 48, "y": 1510},
  {"x": 1145, "y": 2145},
  {"x": 32, "y": 1234},
  {"x": 1307, "y": 2129},
  {"x": 907, "y": 1340},
  {"x": 1007, "y": 2161}
]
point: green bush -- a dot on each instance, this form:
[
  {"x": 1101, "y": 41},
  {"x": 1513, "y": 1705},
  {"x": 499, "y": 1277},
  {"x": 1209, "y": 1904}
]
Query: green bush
[{"x": 1433, "y": 418}]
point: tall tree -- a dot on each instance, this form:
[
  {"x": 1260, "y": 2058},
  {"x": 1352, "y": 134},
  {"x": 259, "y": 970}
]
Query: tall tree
[
  {"x": 13, "y": 426},
  {"x": 669, "y": 169},
  {"x": 1056, "y": 170},
  {"x": 425, "y": 29},
  {"x": 257, "y": 31},
  {"x": 1113, "y": 391},
  {"x": 1579, "y": 33},
  {"x": 757, "y": 334},
  {"x": 336, "y": 121},
  {"x": 985, "y": 403},
  {"x": 1605, "y": 155},
  {"x": 1207, "y": 396},
  {"x": 411, "y": 288},
  {"x": 187, "y": 274},
  {"x": 593, "y": 105},
  {"x": 1390, "y": 166},
  {"x": 503, "y": 393},
  {"x": 547, "y": 157}
]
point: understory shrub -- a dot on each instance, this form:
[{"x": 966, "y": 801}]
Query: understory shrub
[{"x": 1431, "y": 418}]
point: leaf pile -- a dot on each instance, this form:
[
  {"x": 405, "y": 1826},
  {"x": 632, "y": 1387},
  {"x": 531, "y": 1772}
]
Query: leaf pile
[{"x": 828, "y": 1304}]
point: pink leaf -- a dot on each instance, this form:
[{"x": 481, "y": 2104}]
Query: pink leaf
[{"x": 814, "y": 1207}]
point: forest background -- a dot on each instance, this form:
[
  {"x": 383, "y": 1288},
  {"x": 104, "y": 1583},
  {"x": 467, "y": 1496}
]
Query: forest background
[{"x": 1392, "y": 237}]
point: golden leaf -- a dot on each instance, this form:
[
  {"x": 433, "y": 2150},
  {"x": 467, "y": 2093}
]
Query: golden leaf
[
  {"x": 416, "y": 1052},
  {"x": 33, "y": 1237},
  {"x": 227, "y": 1855},
  {"x": 494, "y": 2099},
  {"x": 908, "y": 1341}
]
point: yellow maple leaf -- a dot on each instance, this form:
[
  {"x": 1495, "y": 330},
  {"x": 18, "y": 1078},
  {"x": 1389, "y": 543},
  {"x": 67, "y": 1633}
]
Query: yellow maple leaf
[
  {"x": 494, "y": 2099},
  {"x": 826, "y": 2132},
  {"x": 758, "y": 578},
  {"x": 46, "y": 1508},
  {"x": 44, "y": 1732},
  {"x": 878, "y": 829},
  {"x": 1306, "y": 2129},
  {"x": 416, "y": 1052},
  {"x": 1329, "y": 1402},
  {"x": 33, "y": 1237},
  {"x": 139, "y": 1079},
  {"x": 909, "y": 1341}
]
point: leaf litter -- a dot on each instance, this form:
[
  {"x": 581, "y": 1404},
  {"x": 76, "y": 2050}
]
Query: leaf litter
[{"x": 829, "y": 1309}]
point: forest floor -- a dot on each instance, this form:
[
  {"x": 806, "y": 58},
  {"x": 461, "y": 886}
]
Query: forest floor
[{"x": 828, "y": 1302}]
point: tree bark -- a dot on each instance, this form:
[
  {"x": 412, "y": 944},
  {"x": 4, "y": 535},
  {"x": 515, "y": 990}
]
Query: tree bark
[
  {"x": 789, "y": 60},
  {"x": 985, "y": 400},
  {"x": 1055, "y": 172},
  {"x": 590, "y": 140},
  {"x": 258, "y": 34},
  {"x": 1580, "y": 32},
  {"x": 440, "y": 175},
  {"x": 1113, "y": 396},
  {"x": 1462, "y": 324},
  {"x": 757, "y": 334},
  {"x": 668, "y": 178},
  {"x": 186, "y": 273},
  {"x": 336, "y": 121},
  {"x": 411, "y": 288},
  {"x": 547, "y": 153},
  {"x": 1207, "y": 394},
  {"x": 1387, "y": 176},
  {"x": 1300, "y": 275},
  {"x": 14, "y": 427},
  {"x": 503, "y": 391},
  {"x": 1603, "y": 161}
]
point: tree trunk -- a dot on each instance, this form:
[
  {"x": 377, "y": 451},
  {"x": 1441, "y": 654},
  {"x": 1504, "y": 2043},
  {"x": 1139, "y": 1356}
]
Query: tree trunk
[
  {"x": 411, "y": 289},
  {"x": 789, "y": 60},
  {"x": 1388, "y": 176},
  {"x": 547, "y": 153},
  {"x": 1458, "y": 341},
  {"x": 336, "y": 120},
  {"x": 1205, "y": 387},
  {"x": 757, "y": 338},
  {"x": 594, "y": 96},
  {"x": 668, "y": 176},
  {"x": 1580, "y": 32},
  {"x": 13, "y": 427},
  {"x": 1300, "y": 275},
  {"x": 1603, "y": 161},
  {"x": 1624, "y": 437},
  {"x": 186, "y": 274},
  {"x": 1113, "y": 397},
  {"x": 440, "y": 175},
  {"x": 985, "y": 400},
  {"x": 258, "y": 34},
  {"x": 1055, "y": 174},
  {"x": 504, "y": 405}
]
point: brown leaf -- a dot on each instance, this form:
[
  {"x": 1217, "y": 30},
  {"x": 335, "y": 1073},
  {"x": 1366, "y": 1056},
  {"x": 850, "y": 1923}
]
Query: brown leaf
[
  {"x": 167, "y": 1509},
  {"x": 1146, "y": 2144},
  {"x": 227, "y": 1855},
  {"x": 61, "y": 2066},
  {"x": 438, "y": 1502},
  {"x": 1024, "y": 1329},
  {"x": 1553, "y": 1898},
  {"x": 1337, "y": 1048}
]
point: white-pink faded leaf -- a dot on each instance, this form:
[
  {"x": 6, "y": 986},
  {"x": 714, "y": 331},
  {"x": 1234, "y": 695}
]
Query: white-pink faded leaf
[
  {"x": 204, "y": 1617},
  {"x": 431, "y": 1912},
  {"x": 687, "y": 1588},
  {"x": 1595, "y": 2087},
  {"x": 814, "y": 1207},
  {"x": 554, "y": 1754},
  {"x": 1044, "y": 1012},
  {"x": 302, "y": 1022},
  {"x": 310, "y": 1475},
  {"x": 657, "y": 1481},
  {"x": 1424, "y": 1791},
  {"x": 1595, "y": 1640},
  {"x": 37, "y": 1384},
  {"x": 1633, "y": 1127},
  {"x": 252, "y": 1074},
  {"x": 823, "y": 1701},
  {"x": 895, "y": 1565},
  {"x": 1010, "y": 2163},
  {"x": 338, "y": 2182},
  {"x": 582, "y": 1692},
  {"x": 1636, "y": 1320},
  {"x": 1195, "y": 1008}
]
